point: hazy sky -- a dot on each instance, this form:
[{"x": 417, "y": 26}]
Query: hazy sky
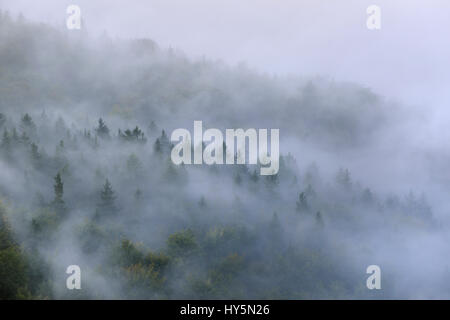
[{"x": 407, "y": 58}]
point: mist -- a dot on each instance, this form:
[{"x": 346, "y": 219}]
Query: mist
[{"x": 86, "y": 176}]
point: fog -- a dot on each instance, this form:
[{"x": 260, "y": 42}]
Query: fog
[
  {"x": 299, "y": 37},
  {"x": 363, "y": 173}
]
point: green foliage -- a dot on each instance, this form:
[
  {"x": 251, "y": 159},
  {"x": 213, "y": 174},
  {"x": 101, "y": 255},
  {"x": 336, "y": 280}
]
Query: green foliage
[
  {"x": 13, "y": 267},
  {"x": 12, "y": 273},
  {"x": 58, "y": 202},
  {"x": 181, "y": 243},
  {"x": 6, "y": 239},
  {"x": 59, "y": 189},
  {"x": 228, "y": 268},
  {"x": 247, "y": 253},
  {"x": 45, "y": 223},
  {"x": 143, "y": 272},
  {"x": 91, "y": 237},
  {"x": 128, "y": 254},
  {"x": 145, "y": 277},
  {"x": 158, "y": 261}
]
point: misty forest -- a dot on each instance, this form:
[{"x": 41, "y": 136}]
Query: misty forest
[{"x": 86, "y": 179}]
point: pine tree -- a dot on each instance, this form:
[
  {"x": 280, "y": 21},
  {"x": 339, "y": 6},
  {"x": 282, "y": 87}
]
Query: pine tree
[
  {"x": 27, "y": 120},
  {"x": 163, "y": 135},
  {"x": 27, "y": 125},
  {"x": 13, "y": 268},
  {"x": 102, "y": 129},
  {"x": 136, "y": 135},
  {"x": 107, "y": 194},
  {"x": 107, "y": 200},
  {"x": 6, "y": 238},
  {"x": 157, "y": 146},
  {"x": 35, "y": 155},
  {"x": 58, "y": 187}
]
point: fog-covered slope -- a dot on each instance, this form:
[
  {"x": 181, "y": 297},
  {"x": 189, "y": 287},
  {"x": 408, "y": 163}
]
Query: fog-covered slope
[{"x": 86, "y": 179}]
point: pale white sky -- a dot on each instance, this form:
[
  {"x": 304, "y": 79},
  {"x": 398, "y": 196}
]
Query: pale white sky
[{"x": 408, "y": 58}]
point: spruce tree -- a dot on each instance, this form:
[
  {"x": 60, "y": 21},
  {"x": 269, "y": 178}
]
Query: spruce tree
[
  {"x": 102, "y": 129},
  {"x": 157, "y": 146},
  {"x": 107, "y": 200},
  {"x": 27, "y": 125},
  {"x": 58, "y": 187}
]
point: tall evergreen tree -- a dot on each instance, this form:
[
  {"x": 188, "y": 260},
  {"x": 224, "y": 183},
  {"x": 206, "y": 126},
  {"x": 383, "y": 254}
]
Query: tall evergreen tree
[
  {"x": 102, "y": 129},
  {"x": 157, "y": 146},
  {"x": 35, "y": 155},
  {"x": 13, "y": 269},
  {"x": 58, "y": 187},
  {"x": 106, "y": 205},
  {"x": 27, "y": 124}
]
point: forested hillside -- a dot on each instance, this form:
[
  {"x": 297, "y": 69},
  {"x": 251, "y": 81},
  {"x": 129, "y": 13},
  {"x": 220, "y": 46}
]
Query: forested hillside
[{"x": 86, "y": 179}]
